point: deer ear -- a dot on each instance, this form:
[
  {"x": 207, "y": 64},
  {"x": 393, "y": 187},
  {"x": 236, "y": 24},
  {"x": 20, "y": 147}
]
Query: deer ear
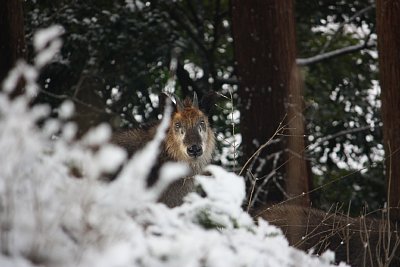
[
  {"x": 208, "y": 101},
  {"x": 178, "y": 103},
  {"x": 195, "y": 102}
]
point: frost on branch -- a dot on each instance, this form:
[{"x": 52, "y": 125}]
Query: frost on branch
[{"x": 56, "y": 211}]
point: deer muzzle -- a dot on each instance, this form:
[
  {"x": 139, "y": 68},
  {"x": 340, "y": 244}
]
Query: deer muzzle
[{"x": 194, "y": 151}]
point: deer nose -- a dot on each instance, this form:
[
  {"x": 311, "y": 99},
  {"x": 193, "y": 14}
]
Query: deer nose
[{"x": 195, "y": 151}]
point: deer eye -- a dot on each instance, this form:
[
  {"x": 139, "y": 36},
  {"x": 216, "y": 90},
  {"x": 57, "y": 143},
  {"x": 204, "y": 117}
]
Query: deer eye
[
  {"x": 178, "y": 125},
  {"x": 202, "y": 125}
]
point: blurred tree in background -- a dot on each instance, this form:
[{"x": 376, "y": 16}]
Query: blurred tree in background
[
  {"x": 116, "y": 56},
  {"x": 269, "y": 99},
  {"x": 12, "y": 37},
  {"x": 389, "y": 65}
]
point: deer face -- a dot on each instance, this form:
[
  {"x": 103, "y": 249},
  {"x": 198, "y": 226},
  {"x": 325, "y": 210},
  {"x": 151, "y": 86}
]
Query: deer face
[
  {"x": 190, "y": 137},
  {"x": 190, "y": 128}
]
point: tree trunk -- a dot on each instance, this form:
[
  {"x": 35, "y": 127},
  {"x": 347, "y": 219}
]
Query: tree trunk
[
  {"x": 265, "y": 53},
  {"x": 12, "y": 41},
  {"x": 298, "y": 180},
  {"x": 388, "y": 20}
]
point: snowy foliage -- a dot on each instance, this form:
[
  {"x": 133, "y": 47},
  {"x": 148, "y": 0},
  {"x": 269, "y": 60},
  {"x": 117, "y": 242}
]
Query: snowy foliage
[{"x": 56, "y": 210}]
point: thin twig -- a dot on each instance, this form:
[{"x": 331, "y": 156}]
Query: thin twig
[
  {"x": 328, "y": 183},
  {"x": 233, "y": 131},
  {"x": 388, "y": 198},
  {"x": 278, "y": 130},
  {"x": 254, "y": 181}
]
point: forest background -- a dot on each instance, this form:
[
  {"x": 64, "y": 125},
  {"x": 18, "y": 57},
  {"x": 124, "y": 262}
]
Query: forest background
[{"x": 298, "y": 94}]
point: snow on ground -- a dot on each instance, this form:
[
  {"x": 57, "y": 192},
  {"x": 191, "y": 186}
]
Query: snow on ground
[{"x": 55, "y": 210}]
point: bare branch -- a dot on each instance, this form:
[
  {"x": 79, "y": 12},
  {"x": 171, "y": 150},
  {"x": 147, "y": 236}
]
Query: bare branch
[
  {"x": 230, "y": 81},
  {"x": 347, "y": 21},
  {"x": 315, "y": 59},
  {"x": 188, "y": 28},
  {"x": 341, "y": 51},
  {"x": 194, "y": 12},
  {"x": 333, "y": 54},
  {"x": 338, "y": 134},
  {"x": 280, "y": 128},
  {"x": 76, "y": 100},
  {"x": 216, "y": 23}
]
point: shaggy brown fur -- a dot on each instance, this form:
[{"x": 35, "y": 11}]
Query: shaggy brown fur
[
  {"x": 189, "y": 139},
  {"x": 358, "y": 241}
]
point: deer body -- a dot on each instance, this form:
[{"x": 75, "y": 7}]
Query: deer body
[{"x": 189, "y": 139}]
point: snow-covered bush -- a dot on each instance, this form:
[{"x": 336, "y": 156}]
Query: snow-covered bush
[{"x": 55, "y": 210}]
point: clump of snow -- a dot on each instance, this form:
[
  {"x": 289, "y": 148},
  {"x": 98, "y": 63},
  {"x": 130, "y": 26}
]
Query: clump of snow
[
  {"x": 221, "y": 207},
  {"x": 98, "y": 135},
  {"x": 134, "y": 5},
  {"x": 56, "y": 210},
  {"x": 47, "y": 43},
  {"x": 66, "y": 109},
  {"x": 29, "y": 73}
]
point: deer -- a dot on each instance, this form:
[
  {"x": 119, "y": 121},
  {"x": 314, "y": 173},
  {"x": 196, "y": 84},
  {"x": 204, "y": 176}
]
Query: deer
[
  {"x": 189, "y": 139},
  {"x": 360, "y": 241}
]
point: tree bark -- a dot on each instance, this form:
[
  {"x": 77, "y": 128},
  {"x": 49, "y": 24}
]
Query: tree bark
[
  {"x": 388, "y": 20},
  {"x": 12, "y": 40},
  {"x": 269, "y": 92}
]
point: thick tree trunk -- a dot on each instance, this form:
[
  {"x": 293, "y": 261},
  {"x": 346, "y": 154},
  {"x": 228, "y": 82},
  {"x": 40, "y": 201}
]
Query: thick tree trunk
[
  {"x": 265, "y": 52},
  {"x": 388, "y": 21},
  {"x": 12, "y": 41}
]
